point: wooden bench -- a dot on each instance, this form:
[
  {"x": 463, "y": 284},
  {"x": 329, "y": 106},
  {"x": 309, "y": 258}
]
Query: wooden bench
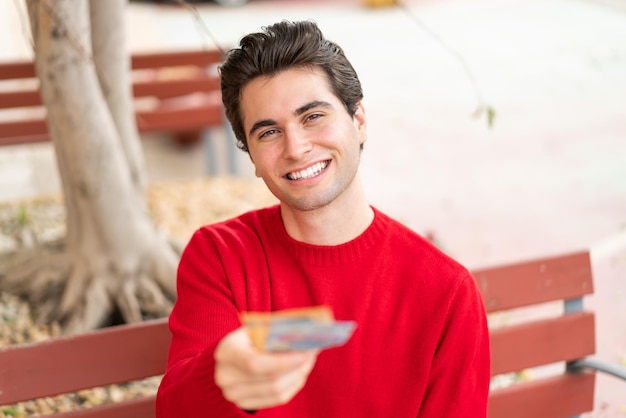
[
  {"x": 128, "y": 352},
  {"x": 175, "y": 92},
  {"x": 563, "y": 337}
]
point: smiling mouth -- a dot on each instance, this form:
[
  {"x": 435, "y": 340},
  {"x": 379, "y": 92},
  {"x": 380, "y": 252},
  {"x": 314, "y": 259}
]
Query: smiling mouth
[{"x": 310, "y": 172}]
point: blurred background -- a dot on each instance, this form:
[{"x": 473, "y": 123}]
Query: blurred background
[{"x": 546, "y": 175}]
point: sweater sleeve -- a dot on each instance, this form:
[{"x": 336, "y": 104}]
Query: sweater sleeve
[
  {"x": 458, "y": 384},
  {"x": 203, "y": 313}
]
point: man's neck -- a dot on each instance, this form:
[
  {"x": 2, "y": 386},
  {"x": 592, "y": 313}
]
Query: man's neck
[{"x": 342, "y": 220}]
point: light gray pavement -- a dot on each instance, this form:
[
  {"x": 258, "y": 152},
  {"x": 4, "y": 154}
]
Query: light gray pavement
[{"x": 548, "y": 178}]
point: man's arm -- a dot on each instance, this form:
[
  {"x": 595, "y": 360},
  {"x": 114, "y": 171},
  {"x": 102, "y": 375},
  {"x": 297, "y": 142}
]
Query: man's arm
[
  {"x": 460, "y": 374},
  {"x": 232, "y": 379},
  {"x": 212, "y": 364},
  {"x": 203, "y": 313}
]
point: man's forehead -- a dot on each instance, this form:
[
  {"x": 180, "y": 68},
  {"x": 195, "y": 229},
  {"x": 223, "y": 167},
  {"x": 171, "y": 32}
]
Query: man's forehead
[{"x": 264, "y": 95}]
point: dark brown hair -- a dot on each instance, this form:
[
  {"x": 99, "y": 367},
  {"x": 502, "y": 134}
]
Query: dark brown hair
[{"x": 277, "y": 48}]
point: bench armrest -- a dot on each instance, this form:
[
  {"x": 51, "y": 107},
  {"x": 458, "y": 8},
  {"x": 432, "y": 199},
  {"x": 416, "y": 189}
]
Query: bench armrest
[{"x": 609, "y": 368}]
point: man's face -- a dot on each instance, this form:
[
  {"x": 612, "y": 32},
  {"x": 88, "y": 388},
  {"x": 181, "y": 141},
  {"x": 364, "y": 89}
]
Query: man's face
[{"x": 301, "y": 139}]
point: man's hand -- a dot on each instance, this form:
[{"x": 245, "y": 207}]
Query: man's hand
[{"x": 254, "y": 380}]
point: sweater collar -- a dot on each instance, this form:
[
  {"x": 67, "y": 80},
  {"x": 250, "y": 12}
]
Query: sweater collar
[{"x": 334, "y": 254}]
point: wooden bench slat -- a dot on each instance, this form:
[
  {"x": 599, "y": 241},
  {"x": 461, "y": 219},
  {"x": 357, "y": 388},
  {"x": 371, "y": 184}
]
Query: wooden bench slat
[
  {"x": 23, "y": 98},
  {"x": 554, "y": 397},
  {"x": 160, "y": 120},
  {"x": 111, "y": 355},
  {"x": 133, "y": 408},
  {"x": 139, "y": 61},
  {"x": 16, "y": 70},
  {"x": 153, "y": 88},
  {"x": 535, "y": 282},
  {"x": 168, "y": 119},
  {"x": 172, "y": 88},
  {"x": 33, "y": 126},
  {"x": 538, "y": 343},
  {"x": 24, "y": 140},
  {"x": 202, "y": 58}
]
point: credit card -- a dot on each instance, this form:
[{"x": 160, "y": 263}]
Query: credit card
[
  {"x": 304, "y": 334},
  {"x": 309, "y": 328}
]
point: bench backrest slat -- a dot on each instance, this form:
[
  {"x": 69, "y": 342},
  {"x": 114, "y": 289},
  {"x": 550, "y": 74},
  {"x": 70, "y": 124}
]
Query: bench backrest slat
[
  {"x": 191, "y": 119},
  {"x": 556, "y": 397},
  {"x": 112, "y": 355},
  {"x": 14, "y": 131},
  {"x": 36, "y": 130},
  {"x": 22, "y": 98},
  {"x": 200, "y": 58},
  {"x": 153, "y": 88},
  {"x": 535, "y": 282},
  {"x": 542, "y": 342},
  {"x": 172, "y": 88},
  {"x": 17, "y": 70}
]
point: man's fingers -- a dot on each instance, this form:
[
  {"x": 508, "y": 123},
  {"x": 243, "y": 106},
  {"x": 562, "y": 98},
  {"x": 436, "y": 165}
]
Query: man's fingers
[
  {"x": 271, "y": 391},
  {"x": 265, "y": 364},
  {"x": 237, "y": 351},
  {"x": 252, "y": 379}
]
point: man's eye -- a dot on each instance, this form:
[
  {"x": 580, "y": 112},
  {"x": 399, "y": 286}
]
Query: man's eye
[
  {"x": 267, "y": 133},
  {"x": 314, "y": 116}
]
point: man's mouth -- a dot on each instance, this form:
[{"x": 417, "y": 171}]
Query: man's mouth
[{"x": 310, "y": 172}]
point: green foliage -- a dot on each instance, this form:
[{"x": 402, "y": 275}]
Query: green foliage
[
  {"x": 22, "y": 216},
  {"x": 11, "y": 412},
  {"x": 488, "y": 110},
  {"x": 491, "y": 115}
]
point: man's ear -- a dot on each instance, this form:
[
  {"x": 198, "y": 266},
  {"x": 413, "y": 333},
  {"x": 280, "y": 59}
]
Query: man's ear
[
  {"x": 252, "y": 161},
  {"x": 360, "y": 122}
]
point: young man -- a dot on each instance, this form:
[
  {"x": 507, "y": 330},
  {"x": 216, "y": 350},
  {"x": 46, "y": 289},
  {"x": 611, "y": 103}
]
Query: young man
[{"x": 421, "y": 346}]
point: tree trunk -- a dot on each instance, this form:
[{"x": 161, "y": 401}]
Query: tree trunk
[{"x": 113, "y": 257}]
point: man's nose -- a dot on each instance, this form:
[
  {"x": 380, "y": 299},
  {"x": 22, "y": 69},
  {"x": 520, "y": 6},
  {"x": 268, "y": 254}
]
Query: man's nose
[{"x": 297, "y": 143}]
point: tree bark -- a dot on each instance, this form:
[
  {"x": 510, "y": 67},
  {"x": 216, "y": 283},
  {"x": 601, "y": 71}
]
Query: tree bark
[
  {"x": 113, "y": 256},
  {"x": 113, "y": 65}
]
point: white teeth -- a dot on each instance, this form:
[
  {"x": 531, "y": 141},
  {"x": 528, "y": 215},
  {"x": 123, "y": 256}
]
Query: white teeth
[{"x": 312, "y": 171}]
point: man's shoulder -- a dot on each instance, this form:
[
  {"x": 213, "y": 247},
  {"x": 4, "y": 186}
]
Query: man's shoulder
[
  {"x": 250, "y": 219},
  {"x": 248, "y": 225},
  {"x": 420, "y": 248},
  {"x": 399, "y": 230}
]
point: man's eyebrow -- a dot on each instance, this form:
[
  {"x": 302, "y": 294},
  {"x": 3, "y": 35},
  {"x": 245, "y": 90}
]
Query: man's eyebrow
[
  {"x": 311, "y": 105},
  {"x": 299, "y": 111},
  {"x": 260, "y": 124}
]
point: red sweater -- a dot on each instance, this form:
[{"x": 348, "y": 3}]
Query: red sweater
[{"x": 421, "y": 347}]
